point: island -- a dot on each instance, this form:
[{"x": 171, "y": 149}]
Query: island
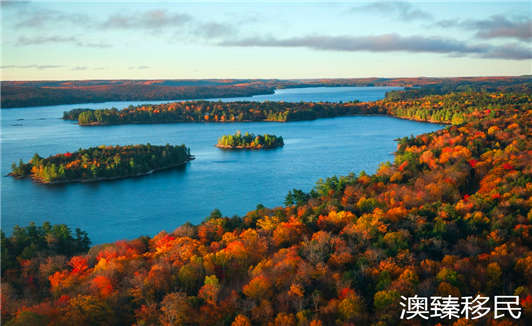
[
  {"x": 50, "y": 92},
  {"x": 449, "y": 108},
  {"x": 208, "y": 111},
  {"x": 451, "y": 215},
  {"x": 249, "y": 141},
  {"x": 102, "y": 163}
]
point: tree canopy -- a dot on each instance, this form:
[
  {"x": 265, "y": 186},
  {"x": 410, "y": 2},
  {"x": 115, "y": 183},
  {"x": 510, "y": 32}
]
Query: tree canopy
[
  {"x": 102, "y": 163},
  {"x": 451, "y": 215},
  {"x": 249, "y": 141}
]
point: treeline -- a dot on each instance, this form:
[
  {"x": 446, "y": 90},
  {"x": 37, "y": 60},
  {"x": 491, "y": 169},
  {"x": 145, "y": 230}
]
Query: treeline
[
  {"x": 451, "y": 215},
  {"x": 43, "y": 241},
  {"x": 36, "y": 93},
  {"x": 74, "y": 114},
  {"x": 101, "y": 163},
  {"x": 521, "y": 85},
  {"x": 205, "y": 111},
  {"x": 249, "y": 141},
  {"x": 453, "y": 108}
]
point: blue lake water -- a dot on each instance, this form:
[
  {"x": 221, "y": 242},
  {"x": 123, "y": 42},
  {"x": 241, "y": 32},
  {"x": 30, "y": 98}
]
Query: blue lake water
[{"x": 235, "y": 182}]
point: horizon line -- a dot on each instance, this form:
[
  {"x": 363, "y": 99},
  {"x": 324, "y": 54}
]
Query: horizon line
[{"x": 282, "y": 79}]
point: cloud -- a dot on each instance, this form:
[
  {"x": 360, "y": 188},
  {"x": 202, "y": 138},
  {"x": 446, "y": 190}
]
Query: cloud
[
  {"x": 501, "y": 27},
  {"x": 445, "y": 23},
  {"x": 138, "y": 67},
  {"x": 401, "y": 9},
  {"x": 387, "y": 43},
  {"x": 99, "y": 45},
  {"x": 378, "y": 43},
  {"x": 214, "y": 30},
  {"x": 45, "y": 17},
  {"x": 182, "y": 24},
  {"x": 23, "y": 40},
  {"x": 509, "y": 51},
  {"x": 39, "y": 67},
  {"x": 6, "y": 4},
  {"x": 152, "y": 19},
  {"x": 39, "y": 40},
  {"x": 79, "y": 68},
  {"x": 497, "y": 26}
]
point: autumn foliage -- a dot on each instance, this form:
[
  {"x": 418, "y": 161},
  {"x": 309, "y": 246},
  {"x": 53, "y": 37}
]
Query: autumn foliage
[
  {"x": 102, "y": 163},
  {"x": 450, "y": 216}
]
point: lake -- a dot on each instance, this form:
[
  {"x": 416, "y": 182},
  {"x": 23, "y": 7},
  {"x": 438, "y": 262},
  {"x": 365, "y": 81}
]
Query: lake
[{"x": 234, "y": 182}]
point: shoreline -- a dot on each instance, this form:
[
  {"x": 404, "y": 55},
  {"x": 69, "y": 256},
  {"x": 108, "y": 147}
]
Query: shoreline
[
  {"x": 420, "y": 120},
  {"x": 270, "y": 92},
  {"x": 265, "y": 91},
  {"x": 98, "y": 124}
]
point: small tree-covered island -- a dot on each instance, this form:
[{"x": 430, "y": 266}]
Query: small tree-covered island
[
  {"x": 249, "y": 141},
  {"x": 102, "y": 163}
]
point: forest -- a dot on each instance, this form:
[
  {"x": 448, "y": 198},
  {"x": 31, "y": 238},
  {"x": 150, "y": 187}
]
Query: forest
[
  {"x": 451, "y": 215},
  {"x": 38, "y": 93},
  {"x": 205, "y": 111},
  {"x": 449, "y": 108},
  {"x": 26, "y": 94},
  {"x": 249, "y": 141},
  {"x": 454, "y": 107},
  {"x": 102, "y": 163}
]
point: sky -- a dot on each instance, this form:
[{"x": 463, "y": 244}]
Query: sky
[{"x": 63, "y": 40}]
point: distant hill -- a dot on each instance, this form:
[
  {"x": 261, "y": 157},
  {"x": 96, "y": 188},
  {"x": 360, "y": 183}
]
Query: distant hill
[{"x": 38, "y": 93}]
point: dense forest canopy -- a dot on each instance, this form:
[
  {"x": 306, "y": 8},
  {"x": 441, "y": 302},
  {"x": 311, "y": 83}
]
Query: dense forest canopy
[
  {"x": 205, "y": 111},
  {"x": 249, "y": 141},
  {"x": 518, "y": 85},
  {"x": 454, "y": 107},
  {"x": 451, "y": 215},
  {"x": 451, "y": 108},
  {"x": 102, "y": 163},
  {"x": 41, "y": 241}
]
